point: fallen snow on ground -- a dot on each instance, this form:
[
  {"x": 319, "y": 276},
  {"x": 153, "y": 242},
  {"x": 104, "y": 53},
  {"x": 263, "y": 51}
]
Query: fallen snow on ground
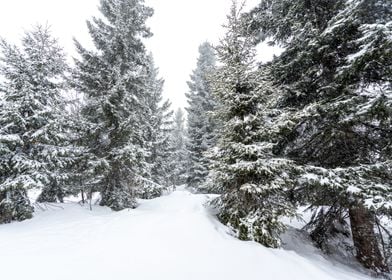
[{"x": 172, "y": 237}]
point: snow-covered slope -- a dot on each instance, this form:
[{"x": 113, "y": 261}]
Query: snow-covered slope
[{"x": 172, "y": 237}]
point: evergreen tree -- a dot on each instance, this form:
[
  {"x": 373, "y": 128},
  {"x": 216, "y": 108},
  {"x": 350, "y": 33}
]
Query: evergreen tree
[
  {"x": 159, "y": 128},
  {"x": 157, "y": 138},
  {"x": 61, "y": 171},
  {"x": 252, "y": 184},
  {"x": 179, "y": 158},
  {"x": 114, "y": 80},
  {"x": 30, "y": 121},
  {"x": 335, "y": 74},
  {"x": 201, "y": 125}
]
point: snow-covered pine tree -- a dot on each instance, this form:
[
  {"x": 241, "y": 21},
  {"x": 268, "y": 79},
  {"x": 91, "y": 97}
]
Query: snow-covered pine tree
[
  {"x": 179, "y": 159},
  {"x": 113, "y": 79},
  {"x": 200, "y": 123},
  {"x": 336, "y": 75},
  {"x": 64, "y": 161},
  {"x": 30, "y": 116},
  {"x": 252, "y": 184},
  {"x": 157, "y": 135}
]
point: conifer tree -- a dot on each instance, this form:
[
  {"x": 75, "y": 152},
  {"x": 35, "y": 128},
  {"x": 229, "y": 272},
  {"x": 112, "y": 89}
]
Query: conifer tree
[
  {"x": 30, "y": 121},
  {"x": 158, "y": 129},
  {"x": 157, "y": 133},
  {"x": 335, "y": 74},
  {"x": 179, "y": 158},
  {"x": 61, "y": 171},
  {"x": 200, "y": 123},
  {"x": 252, "y": 184},
  {"x": 113, "y": 79}
]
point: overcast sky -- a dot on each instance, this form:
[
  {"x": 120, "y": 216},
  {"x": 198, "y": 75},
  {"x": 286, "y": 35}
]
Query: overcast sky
[{"x": 179, "y": 27}]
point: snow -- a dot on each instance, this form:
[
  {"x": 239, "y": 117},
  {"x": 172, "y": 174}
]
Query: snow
[
  {"x": 171, "y": 237},
  {"x": 10, "y": 138}
]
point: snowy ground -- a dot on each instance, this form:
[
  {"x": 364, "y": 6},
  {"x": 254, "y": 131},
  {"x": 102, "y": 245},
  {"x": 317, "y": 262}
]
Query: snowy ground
[{"x": 172, "y": 237}]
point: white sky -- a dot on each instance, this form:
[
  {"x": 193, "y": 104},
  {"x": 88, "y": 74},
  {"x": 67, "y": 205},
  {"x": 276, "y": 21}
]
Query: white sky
[{"x": 179, "y": 27}]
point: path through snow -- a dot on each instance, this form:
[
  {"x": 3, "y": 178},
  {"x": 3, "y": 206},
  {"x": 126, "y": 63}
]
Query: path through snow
[{"x": 169, "y": 238}]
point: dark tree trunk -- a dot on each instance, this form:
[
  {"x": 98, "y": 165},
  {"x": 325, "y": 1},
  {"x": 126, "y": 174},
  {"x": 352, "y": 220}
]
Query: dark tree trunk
[
  {"x": 365, "y": 241},
  {"x": 83, "y": 199}
]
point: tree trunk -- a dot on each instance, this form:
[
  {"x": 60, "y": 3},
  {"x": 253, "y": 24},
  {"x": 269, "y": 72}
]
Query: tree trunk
[
  {"x": 83, "y": 199},
  {"x": 365, "y": 241}
]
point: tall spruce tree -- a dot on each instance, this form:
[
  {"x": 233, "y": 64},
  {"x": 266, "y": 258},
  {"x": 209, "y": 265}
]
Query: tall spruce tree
[
  {"x": 335, "y": 73},
  {"x": 252, "y": 184},
  {"x": 159, "y": 128},
  {"x": 114, "y": 80},
  {"x": 63, "y": 162},
  {"x": 179, "y": 159},
  {"x": 157, "y": 138},
  {"x": 30, "y": 116},
  {"x": 200, "y": 123}
]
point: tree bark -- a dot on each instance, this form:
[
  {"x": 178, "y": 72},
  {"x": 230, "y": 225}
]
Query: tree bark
[
  {"x": 83, "y": 199},
  {"x": 365, "y": 241}
]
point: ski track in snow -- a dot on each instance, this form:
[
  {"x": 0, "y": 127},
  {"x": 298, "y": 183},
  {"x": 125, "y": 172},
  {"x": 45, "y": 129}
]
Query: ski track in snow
[{"x": 172, "y": 237}]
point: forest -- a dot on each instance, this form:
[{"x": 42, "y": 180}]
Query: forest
[{"x": 310, "y": 130}]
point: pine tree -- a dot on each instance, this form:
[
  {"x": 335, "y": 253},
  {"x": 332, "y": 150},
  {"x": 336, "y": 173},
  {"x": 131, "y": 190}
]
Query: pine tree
[
  {"x": 251, "y": 182},
  {"x": 335, "y": 74},
  {"x": 157, "y": 137},
  {"x": 114, "y": 81},
  {"x": 61, "y": 171},
  {"x": 200, "y": 123},
  {"x": 30, "y": 116},
  {"x": 179, "y": 159}
]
